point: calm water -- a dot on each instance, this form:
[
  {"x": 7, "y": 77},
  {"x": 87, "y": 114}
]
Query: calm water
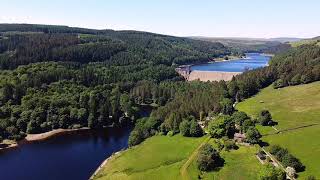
[
  {"x": 73, "y": 156},
  {"x": 253, "y": 61}
]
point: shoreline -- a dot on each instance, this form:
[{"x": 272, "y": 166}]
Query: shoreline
[
  {"x": 10, "y": 144},
  {"x": 49, "y": 134},
  {"x": 105, "y": 162}
]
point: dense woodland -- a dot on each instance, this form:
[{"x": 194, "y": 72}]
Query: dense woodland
[{"x": 61, "y": 77}]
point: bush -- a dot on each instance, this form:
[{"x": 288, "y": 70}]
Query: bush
[
  {"x": 290, "y": 161},
  {"x": 281, "y": 153},
  {"x": 144, "y": 128},
  {"x": 170, "y": 133},
  {"x": 195, "y": 129},
  {"x": 229, "y": 145},
  {"x": 135, "y": 138},
  {"x": 163, "y": 129},
  {"x": 279, "y": 84},
  {"x": 239, "y": 117},
  {"x": 252, "y": 135},
  {"x": 287, "y": 159},
  {"x": 246, "y": 124},
  {"x": 265, "y": 118},
  {"x": 190, "y": 128},
  {"x": 271, "y": 173},
  {"x": 274, "y": 149},
  {"x": 208, "y": 158},
  {"x": 184, "y": 128},
  {"x": 217, "y": 127}
]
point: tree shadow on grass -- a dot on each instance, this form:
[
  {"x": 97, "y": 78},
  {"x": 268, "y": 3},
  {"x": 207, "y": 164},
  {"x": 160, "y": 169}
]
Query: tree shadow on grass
[{"x": 263, "y": 144}]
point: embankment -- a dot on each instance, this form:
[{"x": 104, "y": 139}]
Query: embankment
[{"x": 211, "y": 75}]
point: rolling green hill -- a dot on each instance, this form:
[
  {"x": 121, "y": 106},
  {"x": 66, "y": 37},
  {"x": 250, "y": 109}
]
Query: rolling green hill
[{"x": 297, "y": 111}]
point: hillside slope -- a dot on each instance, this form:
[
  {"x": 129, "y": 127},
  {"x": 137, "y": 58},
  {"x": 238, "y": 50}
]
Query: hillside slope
[
  {"x": 21, "y": 44},
  {"x": 297, "y": 111}
]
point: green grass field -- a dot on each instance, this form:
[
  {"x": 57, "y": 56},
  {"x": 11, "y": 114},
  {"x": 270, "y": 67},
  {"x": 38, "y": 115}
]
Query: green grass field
[
  {"x": 163, "y": 157},
  {"x": 292, "y": 107},
  {"x": 240, "y": 164},
  {"x": 159, "y": 157}
]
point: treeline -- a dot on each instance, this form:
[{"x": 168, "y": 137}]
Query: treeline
[
  {"x": 23, "y": 44},
  {"x": 299, "y": 66}
]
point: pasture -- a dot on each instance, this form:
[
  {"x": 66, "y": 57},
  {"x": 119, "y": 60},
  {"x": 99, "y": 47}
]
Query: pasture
[{"x": 297, "y": 111}]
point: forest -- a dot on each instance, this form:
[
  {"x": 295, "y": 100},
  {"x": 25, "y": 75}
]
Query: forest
[{"x": 62, "y": 77}]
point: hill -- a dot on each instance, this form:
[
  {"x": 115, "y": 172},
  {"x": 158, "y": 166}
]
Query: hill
[
  {"x": 241, "y": 45},
  {"x": 285, "y": 39},
  {"x": 296, "y": 110},
  {"x": 315, "y": 40},
  {"x": 21, "y": 44}
]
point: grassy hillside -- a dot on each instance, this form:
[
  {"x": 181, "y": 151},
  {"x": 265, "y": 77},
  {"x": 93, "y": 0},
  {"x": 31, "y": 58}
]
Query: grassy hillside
[
  {"x": 297, "y": 110},
  {"x": 163, "y": 157},
  {"x": 240, "y": 164},
  {"x": 159, "y": 157}
]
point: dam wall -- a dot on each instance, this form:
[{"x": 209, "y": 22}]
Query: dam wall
[{"x": 210, "y": 75}]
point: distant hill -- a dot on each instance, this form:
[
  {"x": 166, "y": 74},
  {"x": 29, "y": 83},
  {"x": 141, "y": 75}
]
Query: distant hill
[
  {"x": 285, "y": 39},
  {"x": 22, "y": 44},
  {"x": 315, "y": 40},
  {"x": 249, "y": 44}
]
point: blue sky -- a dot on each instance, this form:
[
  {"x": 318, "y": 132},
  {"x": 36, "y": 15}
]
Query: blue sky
[{"x": 215, "y": 18}]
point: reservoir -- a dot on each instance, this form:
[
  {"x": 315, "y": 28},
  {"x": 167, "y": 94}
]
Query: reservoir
[
  {"x": 70, "y": 156},
  {"x": 252, "y": 61}
]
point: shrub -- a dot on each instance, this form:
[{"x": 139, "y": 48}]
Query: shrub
[
  {"x": 287, "y": 159},
  {"x": 217, "y": 127},
  {"x": 252, "y": 135},
  {"x": 170, "y": 133},
  {"x": 271, "y": 173},
  {"x": 195, "y": 129},
  {"x": 265, "y": 118},
  {"x": 274, "y": 149},
  {"x": 290, "y": 161},
  {"x": 239, "y": 117},
  {"x": 208, "y": 158},
  {"x": 229, "y": 145},
  {"x": 135, "y": 138},
  {"x": 279, "y": 84},
  {"x": 184, "y": 128}
]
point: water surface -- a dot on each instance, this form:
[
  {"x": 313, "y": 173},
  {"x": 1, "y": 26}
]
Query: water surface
[
  {"x": 73, "y": 156},
  {"x": 253, "y": 61}
]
